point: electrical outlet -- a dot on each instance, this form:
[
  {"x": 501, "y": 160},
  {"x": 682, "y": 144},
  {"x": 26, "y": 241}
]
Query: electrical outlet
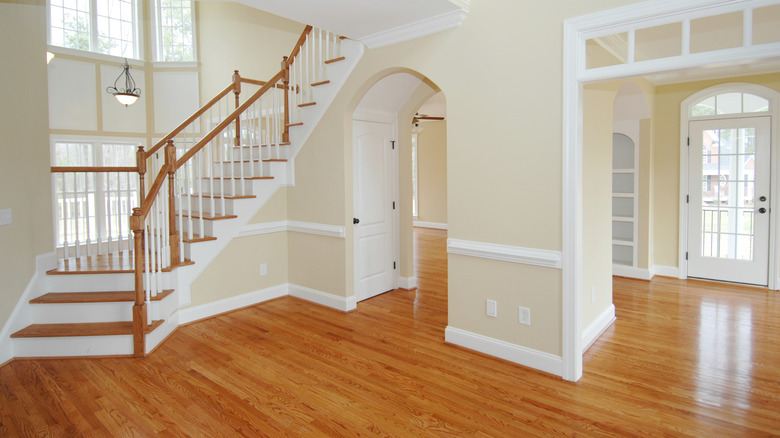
[
  {"x": 524, "y": 315},
  {"x": 5, "y": 217},
  {"x": 264, "y": 269},
  {"x": 492, "y": 308}
]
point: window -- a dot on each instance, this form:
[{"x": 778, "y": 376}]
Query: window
[
  {"x": 109, "y": 27},
  {"x": 93, "y": 209},
  {"x": 730, "y": 103},
  {"x": 174, "y": 31}
]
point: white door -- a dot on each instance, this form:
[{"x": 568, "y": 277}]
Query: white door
[
  {"x": 374, "y": 205},
  {"x": 728, "y": 213}
]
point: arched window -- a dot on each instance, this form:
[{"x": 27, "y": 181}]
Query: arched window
[{"x": 731, "y": 102}]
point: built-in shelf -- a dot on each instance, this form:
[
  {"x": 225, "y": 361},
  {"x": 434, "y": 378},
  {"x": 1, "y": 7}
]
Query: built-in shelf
[{"x": 624, "y": 200}]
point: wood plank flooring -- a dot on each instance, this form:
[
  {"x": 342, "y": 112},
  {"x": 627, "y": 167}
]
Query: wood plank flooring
[{"x": 683, "y": 359}]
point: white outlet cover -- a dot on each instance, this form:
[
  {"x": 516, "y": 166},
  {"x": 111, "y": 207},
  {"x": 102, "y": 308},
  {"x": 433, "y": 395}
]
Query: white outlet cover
[
  {"x": 524, "y": 315},
  {"x": 264, "y": 269},
  {"x": 492, "y": 308}
]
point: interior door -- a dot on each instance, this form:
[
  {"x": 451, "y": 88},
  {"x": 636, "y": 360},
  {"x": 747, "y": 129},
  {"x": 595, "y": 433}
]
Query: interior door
[
  {"x": 374, "y": 226},
  {"x": 728, "y": 210}
]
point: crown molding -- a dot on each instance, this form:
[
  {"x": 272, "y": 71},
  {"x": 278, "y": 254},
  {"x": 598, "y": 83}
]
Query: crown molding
[{"x": 428, "y": 26}]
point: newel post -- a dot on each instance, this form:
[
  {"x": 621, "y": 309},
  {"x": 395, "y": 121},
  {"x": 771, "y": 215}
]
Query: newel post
[
  {"x": 170, "y": 163},
  {"x": 237, "y": 91},
  {"x": 139, "y": 307},
  {"x": 140, "y": 159},
  {"x": 286, "y": 81}
]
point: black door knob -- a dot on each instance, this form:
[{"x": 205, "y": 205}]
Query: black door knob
[
  {"x": 355, "y": 220},
  {"x": 762, "y": 210}
]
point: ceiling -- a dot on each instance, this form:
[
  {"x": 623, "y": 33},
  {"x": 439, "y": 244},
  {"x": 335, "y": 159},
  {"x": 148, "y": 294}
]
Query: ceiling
[{"x": 374, "y": 23}]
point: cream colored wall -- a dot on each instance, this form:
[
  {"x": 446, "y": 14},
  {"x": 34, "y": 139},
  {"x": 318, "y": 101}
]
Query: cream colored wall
[
  {"x": 503, "y": 155},
  {"x": 598, "y": 103},
  {"x": 432, "y": 172},
  {"x": 666, "y": 159},
  {"x": 646, "y": 229},
  {"x": 232, "y": 36},
  {"x": 24, "y": 147}
]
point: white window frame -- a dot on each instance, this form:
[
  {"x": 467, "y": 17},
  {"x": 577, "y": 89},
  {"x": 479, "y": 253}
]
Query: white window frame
[
  {"x": 137, "y": 34},
  {"x": 156, "y": 38}
]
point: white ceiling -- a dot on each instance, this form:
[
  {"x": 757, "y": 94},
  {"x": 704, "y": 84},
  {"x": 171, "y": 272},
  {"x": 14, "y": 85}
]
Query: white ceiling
[
  {"x": 388, "y": 95},
  {"x": 373, "y": 22}
]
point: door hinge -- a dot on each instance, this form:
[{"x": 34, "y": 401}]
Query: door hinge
[
  {"x": 687, "y": 198},
  {"x": 393, "y": 265},
  {"x": 686, "y": 255},
  {"x": 392, "y": 143},
  {"x": 393, "y": 205},
  {"x": 689, "y": 141}
]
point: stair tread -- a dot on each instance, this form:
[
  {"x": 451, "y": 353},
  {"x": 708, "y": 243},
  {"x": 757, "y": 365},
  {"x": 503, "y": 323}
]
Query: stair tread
[
  {"x": 301, "y": 105},
  {"x": 209, "y": 195},
  {"x": 93, "y": 297},
  {"x": 340, "y": 58},
  {"x": 275, "y": 160},
  {"x": 246, "y": 177},
  {"x": 317, "y": 84},
  {"x": 81, "y": 329},
  {"x": 294, "y": 124},
  {"x": 196, "y": 238},
  {"x": 206, "y": 217}
]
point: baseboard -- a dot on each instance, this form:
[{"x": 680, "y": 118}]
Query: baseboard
[
  {"x": 631, "y": 272},
  {"x": 345, "y": 304},
  {"x": 407, "y": 283},
  {"x": 43, "y": 263},
  {"x": 529, "y": 357},
  {"x": 437, "y": 225},
  {"x": 597, "y": 327},
  {"x": 196, "y": 313},
  {"x": 297, "y": 226},
  {"x": 666, "y": 271}
]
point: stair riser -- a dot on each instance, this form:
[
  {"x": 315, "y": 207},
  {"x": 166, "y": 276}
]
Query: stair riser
[
  {"x": 89, "y": 282},
  {"x": 194, "y": 225},
  {"x": 197, "y": 205},
  {"x": 234, "y": 170},
  {"x": 81, "y": 312},
  {"x": 227, "y": 187},
  {"x": 74, "y": 346},
  {"x": 242, "y": 154}
]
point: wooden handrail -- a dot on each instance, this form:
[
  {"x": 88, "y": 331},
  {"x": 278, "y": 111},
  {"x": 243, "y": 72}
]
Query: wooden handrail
[
  {"x": 156, "y": 186},
  {"x": 89, "y": 169},
  {"x": 298, "y": 45},
  {"x": 260, "y": 83},
  {"x": 214, "y": 132},
  {"x": 181, "y": 127}
]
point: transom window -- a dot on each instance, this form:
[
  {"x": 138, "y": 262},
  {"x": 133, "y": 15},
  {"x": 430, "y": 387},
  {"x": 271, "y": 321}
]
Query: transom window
[
  {"x": 729, "y": 103},
  {"x": 103, "y": 26},
  {"x": 174, "y": 31}
]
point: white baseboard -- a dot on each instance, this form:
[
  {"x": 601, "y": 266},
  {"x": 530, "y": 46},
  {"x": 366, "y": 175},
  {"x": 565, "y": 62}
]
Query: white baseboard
[
  {"x": 345, "y": 304},
  {"x": 437, "y": 225},
  {"x": 407, "y": 283},
  {"x": 195, "y": 313},
  {"x": 597, "y": 327},
  {"x": 631, "y": 272},
  {"x": 666, "y": 271},
  {"x": 529, "y": 357}
]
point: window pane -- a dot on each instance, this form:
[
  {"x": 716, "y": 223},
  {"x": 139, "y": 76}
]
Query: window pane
[
  {"x": 754, "y": 104},
  {"x": 704, "y": 108},
  {"x": 174, "y": 31},
  {"x": 729, "y": 103}
]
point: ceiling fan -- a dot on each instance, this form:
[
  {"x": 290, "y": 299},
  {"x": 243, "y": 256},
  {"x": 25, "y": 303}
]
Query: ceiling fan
[{"x": 418, "y": 117}]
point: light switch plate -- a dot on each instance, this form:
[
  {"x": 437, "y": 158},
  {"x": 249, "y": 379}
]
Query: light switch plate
[{"x": 6, "y": 218}]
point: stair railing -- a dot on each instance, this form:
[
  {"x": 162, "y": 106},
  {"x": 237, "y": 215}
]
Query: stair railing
[{"x": 199, "y": 171}]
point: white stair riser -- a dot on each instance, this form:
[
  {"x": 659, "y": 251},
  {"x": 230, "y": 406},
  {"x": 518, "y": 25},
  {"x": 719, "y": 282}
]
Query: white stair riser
[
  {"x": 89, "y": 282},
  {"x": 74, "y": 346},
  {"x": 226, "y": 187},
  {"x": 235, "y": 169},
  {"x": 65, "y": 313},
  {"x": 196, "y": 205},
  {"x": 242, "y": 154}
]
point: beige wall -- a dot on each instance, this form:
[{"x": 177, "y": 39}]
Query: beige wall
[
  {"x": 432, "y": 172},
  {"x": 666, "y": 159},
  {"x": 24, "y": 147}
]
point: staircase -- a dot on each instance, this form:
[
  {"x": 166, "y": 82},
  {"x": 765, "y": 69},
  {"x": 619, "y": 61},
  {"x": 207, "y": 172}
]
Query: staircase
[{"x": 217, "y": 173}]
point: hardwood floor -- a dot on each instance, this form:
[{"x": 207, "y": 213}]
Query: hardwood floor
[{"x": 683, "y": 359}]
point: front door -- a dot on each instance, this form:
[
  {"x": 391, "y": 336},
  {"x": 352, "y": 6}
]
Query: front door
[
  {"x": 728, "y": 215},
  {"x": 374, "y": 203}
]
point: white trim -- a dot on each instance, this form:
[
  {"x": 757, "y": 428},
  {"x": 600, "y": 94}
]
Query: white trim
[
  {"x": 296, "y": 226},
  {"x": 597, "y": 327},
  {"x": 196, "y": 313},
  {"x": 506, "y": 253},
  {"x": 436, "y": 225},
  {"x": 631, "y": 272},
  {"x": 344, "y": 304},
  {"x": 407, "y": 283},
  {"x": 525, "y": 356},
  {"x": 666, "y": 271},
  {"x": 428, "y": 26}
]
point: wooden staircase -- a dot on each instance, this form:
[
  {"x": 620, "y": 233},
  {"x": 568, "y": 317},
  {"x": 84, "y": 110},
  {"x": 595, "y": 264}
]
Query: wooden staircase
[{"x": 87, "y": 305}]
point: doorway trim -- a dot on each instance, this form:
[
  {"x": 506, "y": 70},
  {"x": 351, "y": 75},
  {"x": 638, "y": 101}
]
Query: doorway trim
[
  {"x": 576, "y": 32},
  {"x": 774, "y": 146}
]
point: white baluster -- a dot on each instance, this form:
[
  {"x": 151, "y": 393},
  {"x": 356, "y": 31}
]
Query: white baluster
[{"x": 76, "y": 217}]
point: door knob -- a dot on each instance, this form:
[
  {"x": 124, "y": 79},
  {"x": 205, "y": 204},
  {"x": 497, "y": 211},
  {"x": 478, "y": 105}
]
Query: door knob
[
  {"x": 355, "y": 220},
  {"x": 762, "y": 210},
  {"x": 762, "y": 199}
]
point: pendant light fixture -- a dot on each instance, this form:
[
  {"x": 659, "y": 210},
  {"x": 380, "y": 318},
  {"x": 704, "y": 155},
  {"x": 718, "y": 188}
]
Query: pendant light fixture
[{"x": 129, "y": 94}]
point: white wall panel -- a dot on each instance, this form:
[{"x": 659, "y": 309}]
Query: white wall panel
[
  {"x": 72, "y": 98},
  {"x": 175, "y": 98},
  {"x": 117, "y": 117}
]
